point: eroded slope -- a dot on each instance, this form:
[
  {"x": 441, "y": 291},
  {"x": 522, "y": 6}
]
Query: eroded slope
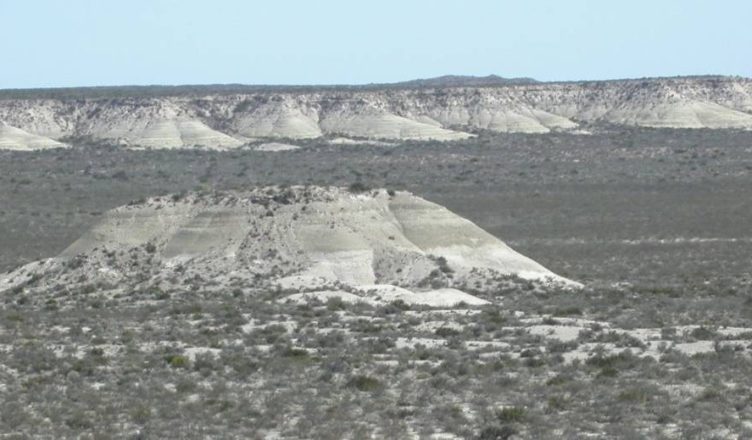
[
  {"x": 228, "y": 120},
  {"x": 379, "y": 245}
]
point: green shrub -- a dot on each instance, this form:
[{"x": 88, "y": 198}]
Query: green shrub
[
  {"x": 150, "y": 248},
  {"x": 621, "y": 361},
  {"x": 511, "y": 414},
  {"x": 297, "y": 353},
  {"x": 335, "y": 303},
  {"x": 177, "y": 361},
  {"x": 446, "y": 332},
  {"x": 559, "y": 379},
  {"x": 79, "y": 421},
  {"x": 358, "y": 187},
  {"x": 141, "y": 414},
  {"x": 185, "y": 385},
  {"x": 635, "y": 395},
  {"x": 556, "y": 404},
  {"x": 703, "y": 334},
  {"x": 568, "y": 311},
  {"x": 364, "y": 383}
]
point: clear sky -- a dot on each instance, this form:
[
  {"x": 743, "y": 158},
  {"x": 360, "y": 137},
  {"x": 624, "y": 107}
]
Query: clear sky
[{"x": 58, "y": 43}]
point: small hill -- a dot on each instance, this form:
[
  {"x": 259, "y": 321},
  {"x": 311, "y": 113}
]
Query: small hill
[
  {"x": 377, "y": 245},
  {"x": 464, "y": 81}
]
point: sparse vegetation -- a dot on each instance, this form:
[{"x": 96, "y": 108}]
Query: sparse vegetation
[
  {"x": 358, "y": 187},
  {"x": 234, "y": 363}
]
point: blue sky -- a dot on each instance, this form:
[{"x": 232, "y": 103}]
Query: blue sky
[{"x": 59, "y": 43}]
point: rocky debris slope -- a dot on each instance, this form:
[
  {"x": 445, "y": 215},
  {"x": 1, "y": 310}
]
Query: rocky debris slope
[
  {"x": 378, "y": 245},
  {"x": 12, "y": 138},
  {"x": 224, "y": 119},
  {"x": 158, "y": 125}
]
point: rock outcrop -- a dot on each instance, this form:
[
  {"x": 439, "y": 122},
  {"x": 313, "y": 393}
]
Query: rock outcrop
[
  {"x": 377, "y": 245},
  {"x": 12, "y": 138},
  {"x": 227, "y": 118}
]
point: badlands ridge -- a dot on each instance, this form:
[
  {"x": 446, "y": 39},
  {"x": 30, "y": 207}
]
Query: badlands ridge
[
  {"x": 304, "y": 242},
  {"x": 226, "y": 117}
]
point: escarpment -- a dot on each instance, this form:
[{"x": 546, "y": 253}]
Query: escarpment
[{"x": 224, "y": 119}]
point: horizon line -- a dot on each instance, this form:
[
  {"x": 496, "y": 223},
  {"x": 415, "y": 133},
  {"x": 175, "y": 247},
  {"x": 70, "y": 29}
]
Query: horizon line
[{"x": 411, "y": 83}]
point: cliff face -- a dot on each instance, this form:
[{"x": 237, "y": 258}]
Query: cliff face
[{"x": 229, "y": 120}]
